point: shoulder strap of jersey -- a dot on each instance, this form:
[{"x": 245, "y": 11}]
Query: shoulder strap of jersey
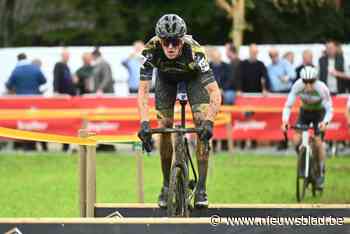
[{"x": 152, "y": 43}]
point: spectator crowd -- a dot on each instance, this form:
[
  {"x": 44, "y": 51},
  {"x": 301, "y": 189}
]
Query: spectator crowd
[
  {"x": 253, "y": 76},
  {"x": 234, "y": 76}
]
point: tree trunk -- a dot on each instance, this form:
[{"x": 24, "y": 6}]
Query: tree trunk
[
  {"x": 8, "y": 23},
  {"x": 238, "y": 22},
  {"x": 338, "y": 4}
]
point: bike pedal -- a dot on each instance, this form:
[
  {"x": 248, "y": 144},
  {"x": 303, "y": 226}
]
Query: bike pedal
[
  {"x": 201, "y": 206},
  {"x": 190, "y": 207},
  {"x": 192, "y": 184}
]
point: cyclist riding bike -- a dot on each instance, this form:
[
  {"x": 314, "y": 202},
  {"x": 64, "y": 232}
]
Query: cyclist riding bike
[
  {"x": 316, "y": 109},
  {"x": 178, "y": 58}
]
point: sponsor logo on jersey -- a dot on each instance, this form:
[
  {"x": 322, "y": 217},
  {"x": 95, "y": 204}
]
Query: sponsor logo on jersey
[{"x": 202, "y": 62}]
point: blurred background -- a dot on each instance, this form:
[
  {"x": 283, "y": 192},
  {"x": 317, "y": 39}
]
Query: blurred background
[
  {"x": 114, "y": 25},
  {"x": 121, "y": 22}
]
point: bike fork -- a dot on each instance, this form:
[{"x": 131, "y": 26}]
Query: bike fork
[{"x": 305, "y": 143}]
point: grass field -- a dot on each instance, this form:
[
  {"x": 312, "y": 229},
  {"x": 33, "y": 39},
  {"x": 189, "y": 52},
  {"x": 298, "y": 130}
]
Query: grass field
[{"x": 46, "y": 185}]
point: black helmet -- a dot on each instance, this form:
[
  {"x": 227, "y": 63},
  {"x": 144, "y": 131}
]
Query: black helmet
[{"x": 171, "y": 25}]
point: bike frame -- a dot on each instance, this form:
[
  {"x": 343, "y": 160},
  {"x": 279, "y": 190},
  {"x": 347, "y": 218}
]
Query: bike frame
[
  {"x": 308, "y": 157},
  {"x": 305, "y": 143},
  {"x": 182, "y": 130}
]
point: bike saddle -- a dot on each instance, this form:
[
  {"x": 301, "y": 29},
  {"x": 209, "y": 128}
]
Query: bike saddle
[
  {"x": 181, "y": 96},
  {"x": 181, "y": 92}
]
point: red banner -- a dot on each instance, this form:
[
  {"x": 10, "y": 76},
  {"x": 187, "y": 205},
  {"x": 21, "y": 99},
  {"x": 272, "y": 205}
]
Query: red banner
[
  {"x": 66, "y": 102},
  {"x": 267, "y": 126},
  {"x": 260, "y": 118},
  {"x": 69, "y": 127},
  {"x": 253, "y": 117}
]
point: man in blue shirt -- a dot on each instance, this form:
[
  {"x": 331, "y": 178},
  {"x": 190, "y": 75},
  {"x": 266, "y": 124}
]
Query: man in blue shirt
[
  {"x": 281, "y": 73},
  {"x": 133, "y": 65},
  {"x": 26, "y": 78}
]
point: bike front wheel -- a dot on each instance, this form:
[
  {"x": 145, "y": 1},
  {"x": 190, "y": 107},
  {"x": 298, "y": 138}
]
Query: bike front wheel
[
  {"x": 301, "y": 180},
  {"x": 177, "y": 205},
  {"x": 178, "y": 202}
]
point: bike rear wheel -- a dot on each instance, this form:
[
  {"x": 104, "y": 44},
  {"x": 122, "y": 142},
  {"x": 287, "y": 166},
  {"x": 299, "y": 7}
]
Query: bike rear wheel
[
  {"x": 315, "y": 172},
  {"x": 301, "y": 188},
  {"x": 301, "y": 180},
  {"x": 316, "y": 192}
]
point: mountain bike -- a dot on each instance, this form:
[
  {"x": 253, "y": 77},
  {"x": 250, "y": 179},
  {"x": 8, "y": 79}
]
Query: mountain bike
[
  {"x": 307, "y": 164},
  {"x": 181, "y": 187}
]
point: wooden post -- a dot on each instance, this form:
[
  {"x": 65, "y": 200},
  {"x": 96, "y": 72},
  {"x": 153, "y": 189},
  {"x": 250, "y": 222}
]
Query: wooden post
[
  {"x": 140, "y": 177},
  {"x": 90, "y": 181},
  {"x": 229, "y": 134},
  {"x": 82, "y": 180},
  {"x": 219, "y": 145},
  {"x": 82, "y": 174},
  {"x": 87, "y": 175}
]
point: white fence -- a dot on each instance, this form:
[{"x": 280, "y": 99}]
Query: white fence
[{"x": 115, "y": 54}]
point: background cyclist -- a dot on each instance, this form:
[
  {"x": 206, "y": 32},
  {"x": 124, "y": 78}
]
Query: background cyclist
[{"x": 316, "y": 109}]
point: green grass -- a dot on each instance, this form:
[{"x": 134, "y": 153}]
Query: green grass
[{"x": 46, "y": 185}]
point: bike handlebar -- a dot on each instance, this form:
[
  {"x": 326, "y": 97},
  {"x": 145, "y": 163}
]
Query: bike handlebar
[
  {"x": 175, "y": 130},
  {"x": 303, "y": 127},
  {"x": 181, "y": 130}
]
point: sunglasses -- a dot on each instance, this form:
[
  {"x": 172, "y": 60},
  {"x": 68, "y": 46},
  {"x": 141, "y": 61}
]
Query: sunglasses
[
  {"x": 173, "y": 41},
  {"x": 309, "y": 81}
]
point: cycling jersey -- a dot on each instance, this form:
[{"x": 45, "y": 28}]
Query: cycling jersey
[
  {"x": 317, "y": 100},
  {"x": 191, "y": 62}
]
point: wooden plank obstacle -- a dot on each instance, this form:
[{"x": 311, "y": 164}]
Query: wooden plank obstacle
[
  {"x": 227, "y": 210},
  {"x": 87, "y": 161},
  {"x": 89, "y": 207}
]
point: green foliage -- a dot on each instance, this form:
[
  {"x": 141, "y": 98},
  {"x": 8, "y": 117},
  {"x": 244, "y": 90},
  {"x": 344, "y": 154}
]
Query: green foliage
[
  {"x": 295, "y": 24},
  {"x": 302, "y": 5},
  {"x": 120, "y": 22}
]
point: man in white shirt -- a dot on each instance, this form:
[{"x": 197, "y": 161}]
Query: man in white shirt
[{"x": 332, "y": 68}]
